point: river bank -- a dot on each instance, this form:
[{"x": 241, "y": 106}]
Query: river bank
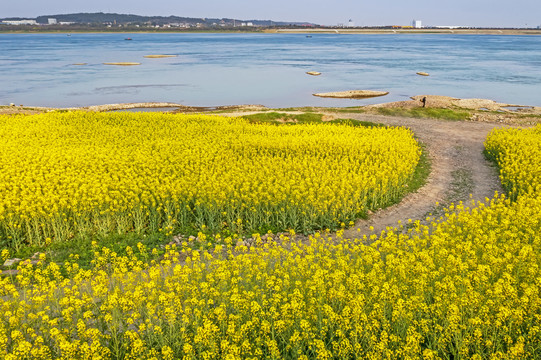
[
  {"x": 420, "y": 106},
  {"x": 330, "y": 30}
]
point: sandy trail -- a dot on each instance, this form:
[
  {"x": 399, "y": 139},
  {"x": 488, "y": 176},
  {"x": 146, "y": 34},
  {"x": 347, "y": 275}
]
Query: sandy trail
[{"x": 459, "y": 169}]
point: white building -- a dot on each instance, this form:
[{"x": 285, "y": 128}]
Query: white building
[
  {"x": 417, "y": 24},
  {"x": 51, "y": 21},
  {"x": 449, "y": 27},
  {"x": 20, "y": 22}
]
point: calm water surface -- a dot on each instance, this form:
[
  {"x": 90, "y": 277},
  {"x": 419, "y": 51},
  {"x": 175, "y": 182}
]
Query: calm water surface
[{"x": 267, "y": 69}]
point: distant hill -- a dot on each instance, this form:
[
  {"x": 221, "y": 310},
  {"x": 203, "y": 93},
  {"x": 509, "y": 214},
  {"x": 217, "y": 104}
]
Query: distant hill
[{"x": 125, "y": 19}]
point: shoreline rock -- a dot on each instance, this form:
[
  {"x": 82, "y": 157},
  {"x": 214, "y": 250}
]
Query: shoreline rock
[{"x": 483, "y": 109}]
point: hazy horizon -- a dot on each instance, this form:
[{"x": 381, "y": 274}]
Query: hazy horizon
[{"x": 474, "y": 13}]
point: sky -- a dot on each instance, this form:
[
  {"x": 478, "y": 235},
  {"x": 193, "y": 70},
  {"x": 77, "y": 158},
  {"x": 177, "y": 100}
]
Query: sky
[{"x": 476, "y": 13}]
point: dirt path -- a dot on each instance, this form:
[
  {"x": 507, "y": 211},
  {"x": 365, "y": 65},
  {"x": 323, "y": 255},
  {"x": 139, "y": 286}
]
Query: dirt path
[{"x": 459, "y": 169}]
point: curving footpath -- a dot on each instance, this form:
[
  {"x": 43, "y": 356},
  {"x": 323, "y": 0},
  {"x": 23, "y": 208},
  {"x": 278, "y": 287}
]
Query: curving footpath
[{"x": 459, "y": 171}]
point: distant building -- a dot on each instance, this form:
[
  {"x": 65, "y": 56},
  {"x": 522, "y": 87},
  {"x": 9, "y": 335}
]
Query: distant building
[
  {"x": 20, "y": 22},
  {"x": 51, "y": 21},
  {"x": 351, "y": 23},
  {"x": 450, "y": 27},
  {"x": 418, "y": 24}
]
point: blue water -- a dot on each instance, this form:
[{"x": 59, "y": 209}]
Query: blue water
[{"x": 267, "y": 69}]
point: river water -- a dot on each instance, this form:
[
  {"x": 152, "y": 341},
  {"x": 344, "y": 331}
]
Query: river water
[{"x": 267, "y": 69}]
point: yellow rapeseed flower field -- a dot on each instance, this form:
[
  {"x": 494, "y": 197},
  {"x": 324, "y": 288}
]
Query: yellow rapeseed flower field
[
  {"x": 467, "y": 287},
  {"x": 518, "y": 153},
  {"x": 63, "y": 174},
  {"x": 464, "y": 288}
]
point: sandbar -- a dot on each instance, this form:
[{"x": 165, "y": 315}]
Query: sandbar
[
  {"x": 159, "y": 56},
  {"x": 352, "y": 94},
  {"x": 122, "y": 63}
]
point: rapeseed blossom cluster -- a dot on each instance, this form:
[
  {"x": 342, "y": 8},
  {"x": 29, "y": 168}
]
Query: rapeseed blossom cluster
[
  {"x": 63, "y": 174},
  {"x": 517, "y": 153},
  {"x": 467, "y": 286}
]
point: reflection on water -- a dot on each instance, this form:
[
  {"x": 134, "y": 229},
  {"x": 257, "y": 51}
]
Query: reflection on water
[
  {"x": 517, "y": 108},
  {"x": 267, "y": 69},
  {"x": 134, "y": 89},
  {"x": 122, "y": 87}
]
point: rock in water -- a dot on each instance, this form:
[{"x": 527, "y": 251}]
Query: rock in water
[
  {"x": 159, "y": 56},
  {"x": 353, "y": 94},
  {"x": 122, "y": 63}
]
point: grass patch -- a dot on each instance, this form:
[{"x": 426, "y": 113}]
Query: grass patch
[
  {"x": 276, "y": 117},
  {"x": 60, "y": 252},
  {"x": 433, "y": 113},
  {"x": 528, "y": 116},
  {"x": 422, "y": 170},
  {"x": 350, "y": 110},
  {"x": 353, "y": 122},
  {"x": 302, "y": 108},
  {"x": 461, "y": 185}
]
